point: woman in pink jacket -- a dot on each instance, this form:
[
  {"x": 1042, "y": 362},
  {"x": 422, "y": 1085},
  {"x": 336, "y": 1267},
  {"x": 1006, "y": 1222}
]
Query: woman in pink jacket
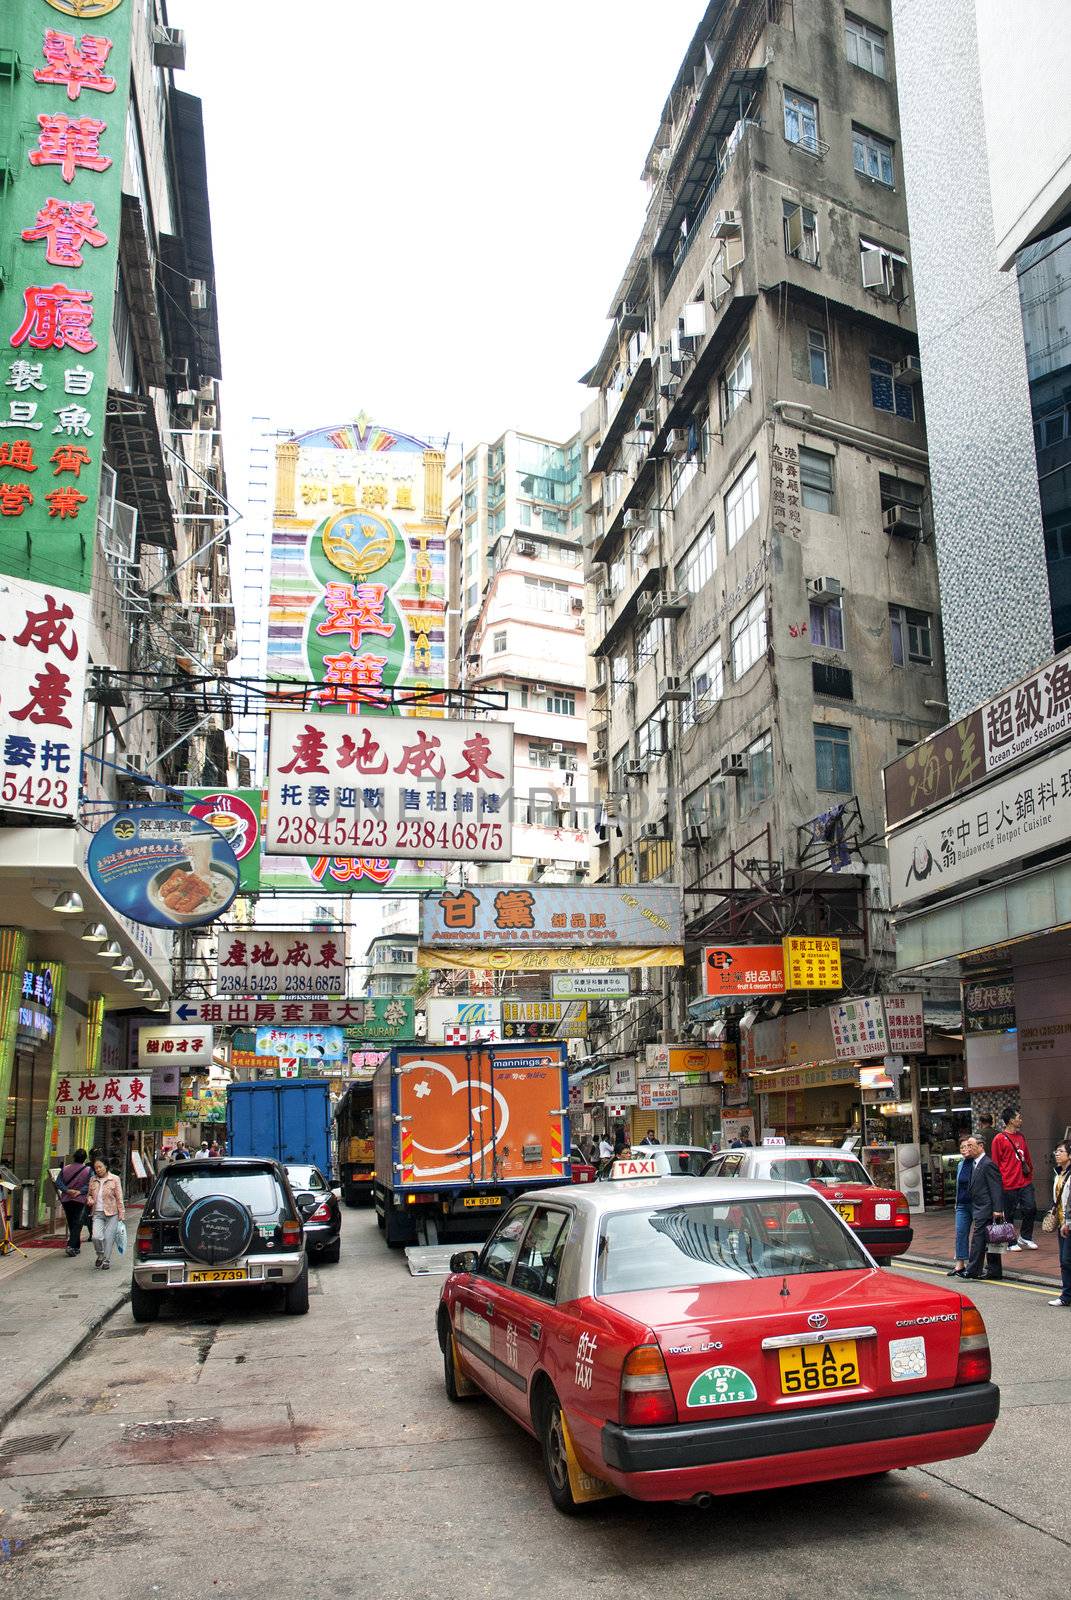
[{"x": 105, "y": 1205}]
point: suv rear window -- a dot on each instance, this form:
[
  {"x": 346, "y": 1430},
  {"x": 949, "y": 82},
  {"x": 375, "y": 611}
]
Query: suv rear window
[
  {"x": 722, "y": 1242},
  {"x": 257, "y": 1190}
]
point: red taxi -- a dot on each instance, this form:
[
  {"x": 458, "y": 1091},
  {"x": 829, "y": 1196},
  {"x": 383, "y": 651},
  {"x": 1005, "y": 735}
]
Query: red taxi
[
  {"x": 679, "y": 1338},
  {"x": 880, "y": 1217}
]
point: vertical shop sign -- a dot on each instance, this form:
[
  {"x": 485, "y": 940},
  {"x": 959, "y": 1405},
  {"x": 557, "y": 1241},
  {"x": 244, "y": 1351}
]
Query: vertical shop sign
[
  {"x": 43, "y": 651},
  {"x": 59, "y": 232}
]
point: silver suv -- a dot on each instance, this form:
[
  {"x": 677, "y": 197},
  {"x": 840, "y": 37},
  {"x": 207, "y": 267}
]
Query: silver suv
[{"x": 226, "y": 1223}]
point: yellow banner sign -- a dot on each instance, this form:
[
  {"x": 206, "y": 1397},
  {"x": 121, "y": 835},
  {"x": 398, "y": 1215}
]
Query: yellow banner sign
[
  {"x": 548, "y": 960},
  {"x": 812, "y": 963}
]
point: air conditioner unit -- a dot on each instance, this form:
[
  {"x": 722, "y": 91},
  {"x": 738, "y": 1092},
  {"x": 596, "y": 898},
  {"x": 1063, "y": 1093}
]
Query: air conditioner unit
[
  {"x": 670, "y": 605},
  {"x": 696, "y": 833},
  {"x": 635, "y": 769},
  {"x": 526, "y": 547},
  {"x": 186, "y": 399},
  {"x": 198, "y": 294},
  {"x": 602, "y": 599},
  {"x": 557, "y": 748},
  {"x": 653, "y": 830},
  {"x": 902, "y": 519},
  {"x": 672, "y": 688},
  {"x": 909, "y": 370},
  {"x": 735, "y": 766},
  {"x": 823, "y": 591},
  {"x": 178, "y": 370},
  {"x": 632, "y": 519},
  {"x": 726, "y": 224},
  {"x": 208, "y": 416},
  {"x": 600, "y": 755},
  {"x": 169, "y": 48},
  {"x": 645, "y": 420},
  {"x": 576, "y": 604},
  {"x": 676, "y": 442},
  {"x": 540, "y": 688}
]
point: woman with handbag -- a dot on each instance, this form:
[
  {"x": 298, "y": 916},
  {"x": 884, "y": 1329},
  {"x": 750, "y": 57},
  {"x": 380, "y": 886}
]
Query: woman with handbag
[
  {"x": 107, "y": 1210},
  {"x": 1058, "y": 1219},
  {"x": 72, "y": 1186}
]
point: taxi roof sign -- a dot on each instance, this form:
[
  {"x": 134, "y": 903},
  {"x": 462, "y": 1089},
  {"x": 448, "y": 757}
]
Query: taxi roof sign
[{"x": 634, "y": 1167}]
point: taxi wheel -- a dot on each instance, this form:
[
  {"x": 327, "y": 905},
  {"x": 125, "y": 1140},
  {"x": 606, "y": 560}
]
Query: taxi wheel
[
  {"x": 555, "y": 1461},
  {"x": 449, "y": 1375}
]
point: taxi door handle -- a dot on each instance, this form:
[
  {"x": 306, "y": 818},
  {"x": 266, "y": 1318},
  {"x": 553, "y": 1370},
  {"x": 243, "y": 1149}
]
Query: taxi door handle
[
  {"x": 536, "y": 1330},
  {"x": 489, "y": 1308}
]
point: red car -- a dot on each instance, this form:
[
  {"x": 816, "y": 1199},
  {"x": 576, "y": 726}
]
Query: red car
[
  {"x": 582, "y": 1169},
  {"x": 880, "y": 1217},
  {"x": 679, "y": 1338}
]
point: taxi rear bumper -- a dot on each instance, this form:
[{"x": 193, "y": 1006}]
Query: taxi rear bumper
[
  {"x": 885, "y": 1241},
  {"x": 911, "y": 1419}
]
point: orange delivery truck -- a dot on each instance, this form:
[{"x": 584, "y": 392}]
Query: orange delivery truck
[{"x": 460, "y": 1130}]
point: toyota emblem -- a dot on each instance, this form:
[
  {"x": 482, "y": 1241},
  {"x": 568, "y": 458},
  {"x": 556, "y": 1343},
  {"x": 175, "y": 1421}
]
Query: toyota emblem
[{"x": 817, "y": 1319}]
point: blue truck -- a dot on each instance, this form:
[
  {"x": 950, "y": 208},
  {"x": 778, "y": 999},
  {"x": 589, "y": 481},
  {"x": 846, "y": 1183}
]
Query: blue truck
[
  {"x": 288, "y": 1119},
  {"x": 460, "y": 1130}
]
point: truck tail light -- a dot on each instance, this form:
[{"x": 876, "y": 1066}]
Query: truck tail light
[
  {"x": 646, "y": 1395},
  {"x": 143, "y": 1240},
  {"x": 291, "y": 1235},
  {"x": 903, "y": 1214},
  {"x": 974, "y": 1364},
  {"x": 321, "y": 1214}
]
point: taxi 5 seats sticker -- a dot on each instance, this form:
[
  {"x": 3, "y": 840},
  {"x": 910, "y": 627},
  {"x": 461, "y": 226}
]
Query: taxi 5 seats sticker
[{"x": 721, "y": 1386}]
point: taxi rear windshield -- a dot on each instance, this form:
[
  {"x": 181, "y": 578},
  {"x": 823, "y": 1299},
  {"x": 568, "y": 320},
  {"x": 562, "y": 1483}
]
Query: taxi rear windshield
[
  {"x": 679, "y": 1246},
  {"x": 822, "y": 1169},
  {"x": 257, "y": 1190}
]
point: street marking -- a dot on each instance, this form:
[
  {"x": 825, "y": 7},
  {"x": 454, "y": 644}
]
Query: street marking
[{"x": 1003, "y": 1283}]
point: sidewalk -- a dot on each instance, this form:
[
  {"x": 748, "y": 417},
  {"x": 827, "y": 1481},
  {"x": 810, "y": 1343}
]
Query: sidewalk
[
  {"x": 934, "y": 1245},
  {"x": 50, "y": 1304}
]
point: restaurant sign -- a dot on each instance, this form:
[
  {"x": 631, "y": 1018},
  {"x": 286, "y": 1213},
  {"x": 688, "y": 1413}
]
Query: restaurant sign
[
  {"x": 388, "y": 787},
  {"x": 742, "y": 969},
  {"x": 549, "y": 916},
  {"x": 1020, "y": 815},
  {"x": 989, "y": 1007}
]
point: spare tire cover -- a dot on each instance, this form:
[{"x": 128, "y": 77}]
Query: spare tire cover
[{"x": 216, "y": 1228}]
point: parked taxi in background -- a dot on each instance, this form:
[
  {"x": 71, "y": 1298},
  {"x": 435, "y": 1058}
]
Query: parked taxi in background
[
  {"x": 880, "y": 1217},
  {"x": 678, "y": 1338}
]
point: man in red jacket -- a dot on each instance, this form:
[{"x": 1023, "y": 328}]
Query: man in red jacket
[{"x": 1012, "y": 1155}]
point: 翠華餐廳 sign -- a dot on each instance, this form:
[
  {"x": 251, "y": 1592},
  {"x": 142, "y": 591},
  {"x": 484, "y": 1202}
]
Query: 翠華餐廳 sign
[{"x": 60, "y": 218}]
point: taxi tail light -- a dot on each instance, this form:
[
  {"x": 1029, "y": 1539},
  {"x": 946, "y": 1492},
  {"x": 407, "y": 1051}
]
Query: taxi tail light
[
  {"x": 902, "y": 1218},
  {"x": 974, "y": 1364},
  {"x": 646, "y": 1394},
  {"x": 143, "y": 1240},
  {"x": 321, "y": 1214},
  {"x": 291, "y": 1234}
]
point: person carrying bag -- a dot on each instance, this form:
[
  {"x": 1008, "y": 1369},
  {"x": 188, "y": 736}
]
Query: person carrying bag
[
  {"x": 1058, "y": 1219},
  {"x": 72, "y": 1186}
]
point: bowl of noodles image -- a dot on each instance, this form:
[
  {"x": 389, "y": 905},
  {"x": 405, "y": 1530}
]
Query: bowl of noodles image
[{"x": 183, "y": 897}]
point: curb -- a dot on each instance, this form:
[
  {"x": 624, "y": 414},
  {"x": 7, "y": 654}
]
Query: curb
[
  {"x": 1032, "y": 1278},
  {"x": 93, "y": 1328}
]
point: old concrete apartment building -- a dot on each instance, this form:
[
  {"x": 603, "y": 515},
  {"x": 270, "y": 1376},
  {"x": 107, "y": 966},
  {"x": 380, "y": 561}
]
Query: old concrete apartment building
[{"x": 763, "y": 615}]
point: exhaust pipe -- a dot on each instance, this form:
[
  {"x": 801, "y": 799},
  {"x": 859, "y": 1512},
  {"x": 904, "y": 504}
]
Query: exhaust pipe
[{"x": 702, "y": 1500}]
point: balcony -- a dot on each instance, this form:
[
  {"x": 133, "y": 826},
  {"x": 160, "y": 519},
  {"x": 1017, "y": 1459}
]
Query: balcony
[
  {"x": 832, "y": 681},
  {"x": 620, "y": 419}
]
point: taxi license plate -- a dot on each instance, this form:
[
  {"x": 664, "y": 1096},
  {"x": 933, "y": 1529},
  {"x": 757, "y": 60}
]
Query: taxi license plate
[
  {"x": 224, "y": 1275},
  {"x": 813, "y": 1368},
  {"x": 474, "y": 1200},
  {"x": 847, "y": 1212}
]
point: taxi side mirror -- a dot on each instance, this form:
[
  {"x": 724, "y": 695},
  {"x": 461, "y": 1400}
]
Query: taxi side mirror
[{"x": 464, "y": 1260}]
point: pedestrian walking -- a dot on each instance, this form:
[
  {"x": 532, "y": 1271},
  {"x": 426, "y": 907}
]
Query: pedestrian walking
[
  {"x": 204, "y": 1151},
  {"x": 73, "y": 1187},
  {"x": 963, "y": 1209},
  {"x": 986, "y": 1195},
  {"x": 650, "y": 1137},
  {"x": 987, "y": 1133},
  {"x": 606, "y": 1149},
  {"x": 107, "y": 1210},
  {"x": 1012, "y": 1155},
  {"x": 1061, "y": 1216}
]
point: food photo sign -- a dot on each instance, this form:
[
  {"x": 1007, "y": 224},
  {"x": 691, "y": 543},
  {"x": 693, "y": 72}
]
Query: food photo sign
[{"x": 165, "y": 869}]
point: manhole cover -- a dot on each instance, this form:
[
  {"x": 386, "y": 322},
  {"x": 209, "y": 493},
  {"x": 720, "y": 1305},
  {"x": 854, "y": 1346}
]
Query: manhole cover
[
  {"x": 33, "y": 1444},
  {"x": 171, "y": 1428}
]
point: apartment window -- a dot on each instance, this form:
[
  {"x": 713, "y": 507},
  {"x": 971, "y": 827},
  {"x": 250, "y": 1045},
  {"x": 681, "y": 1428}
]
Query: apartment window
[
  {"x": 801, "y": 120},
  {"x": 1051, "y": 429},
  {"x": 470, "y": 500},
  {"x": 747, "y": 636},
  {"x": 656, "y": 858},
  {"x": 883, "y": 270},
  {"x": 816, "y": 480},
  {"x": 872, "y": 155},
  {"x": 470, "y": 469},
  {"x": 525, "y": 514},
  {"x": 818, "y": 357},
  {"x": 697, "y": 566},
  {"x": 705, "y": 682},
  {"x": 736, "y": 381},
  {"x": 472, "y": 595},
  {"x": 619, "y": 671},
  {"x": 832, "y": 759},
  {"x": 801, "y": 231},
  {"x": 562, "y": 703},
  {"x": 695, "y": 808},
  {"x": 911, "y": 638},
  {"x": 888, "y": 395},
  {"x": 1058, "y": 544},
  {"x": 618, "y": 780},
  {"x": 759, "y": 770},
  {"x": 618, "y": 575},
  {"x": 742, "y": 504},
  {"x": 624, "y": 867},
  {"x": 648, "y": 640},
  {"x": 651, "y": 738},
  {"x": 541, "y": 755},
  {"x": 498, "y": 643},
  {"x": 864, "y": 46},
  {"x": 681, "y": 475},
  {"x": 827, "y": 625},
  {"x": 545, "y": 594}
]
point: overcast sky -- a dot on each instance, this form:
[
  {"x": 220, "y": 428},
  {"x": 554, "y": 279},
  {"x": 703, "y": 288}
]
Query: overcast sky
[{"x": 423, "y": 210}]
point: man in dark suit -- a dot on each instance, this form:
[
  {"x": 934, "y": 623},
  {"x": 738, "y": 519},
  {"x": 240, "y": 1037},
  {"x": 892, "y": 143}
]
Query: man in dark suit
[{"x": 986, "y": 1195}]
